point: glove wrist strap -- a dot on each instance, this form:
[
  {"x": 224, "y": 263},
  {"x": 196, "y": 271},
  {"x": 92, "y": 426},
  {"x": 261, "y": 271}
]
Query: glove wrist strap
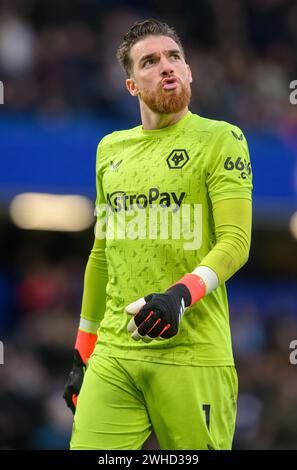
[
  {"x": 195, "y": 286},
  {"x": 85, "y": 343}
]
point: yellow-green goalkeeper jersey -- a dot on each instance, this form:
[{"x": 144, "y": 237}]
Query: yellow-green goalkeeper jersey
[{"x": 159, "y": 187}]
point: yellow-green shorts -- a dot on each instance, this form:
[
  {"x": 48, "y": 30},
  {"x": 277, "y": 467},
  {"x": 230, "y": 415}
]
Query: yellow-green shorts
[{"x": 122, "y": 401}]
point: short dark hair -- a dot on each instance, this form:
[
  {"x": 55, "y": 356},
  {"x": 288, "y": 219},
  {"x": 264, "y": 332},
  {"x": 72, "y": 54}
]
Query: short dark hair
[{"x": 139, "y": 31}]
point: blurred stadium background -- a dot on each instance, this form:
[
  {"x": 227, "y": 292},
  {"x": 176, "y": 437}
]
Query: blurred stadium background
[{"x": 63, "y": 90}]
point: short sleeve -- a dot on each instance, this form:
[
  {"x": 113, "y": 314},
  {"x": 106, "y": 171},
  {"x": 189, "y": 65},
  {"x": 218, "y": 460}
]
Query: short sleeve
[{"x": 228, "y": 171}]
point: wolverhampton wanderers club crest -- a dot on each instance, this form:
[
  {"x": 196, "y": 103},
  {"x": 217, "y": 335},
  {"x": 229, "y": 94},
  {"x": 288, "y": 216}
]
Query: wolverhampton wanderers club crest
[{"x": 177, "y": 159}]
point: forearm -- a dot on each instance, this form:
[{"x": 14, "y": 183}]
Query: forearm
[
  {"x": 232, "y": 219},
  {"x": 93, "y": 302},
  {"x": 95, "y": 280},
  {"x": 93, "y": 307}
]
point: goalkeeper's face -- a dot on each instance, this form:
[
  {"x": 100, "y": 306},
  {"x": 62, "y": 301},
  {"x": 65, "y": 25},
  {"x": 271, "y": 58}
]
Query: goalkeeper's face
[{"x": 160, "y": 78}]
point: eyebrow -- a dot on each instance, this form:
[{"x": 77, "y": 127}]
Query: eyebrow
[{"x": 153, "y": 54}]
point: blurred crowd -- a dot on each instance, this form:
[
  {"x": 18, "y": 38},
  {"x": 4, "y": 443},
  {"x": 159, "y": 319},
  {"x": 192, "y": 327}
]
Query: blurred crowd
[
  {"x": 267, "y": 404},
  {"x": 58, "y": 56},
  {"x": 40, "y": 297},
  {"x": 38, "y": 323}
]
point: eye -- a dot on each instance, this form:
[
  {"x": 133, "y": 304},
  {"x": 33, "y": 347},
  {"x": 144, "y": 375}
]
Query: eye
[
  {"x": 175, "y": 55},
  {"x": 148, "y": 62}
]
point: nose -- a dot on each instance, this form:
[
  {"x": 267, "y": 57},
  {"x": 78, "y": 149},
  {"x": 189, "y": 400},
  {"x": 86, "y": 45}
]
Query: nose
[{"x": 166, "y": 67}]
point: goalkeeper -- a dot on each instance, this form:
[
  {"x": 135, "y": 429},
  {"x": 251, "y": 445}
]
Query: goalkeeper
[{"x": 153, "y": 350}]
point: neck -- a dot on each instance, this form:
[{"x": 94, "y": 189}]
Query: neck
[{"x": 152, "y": 121}]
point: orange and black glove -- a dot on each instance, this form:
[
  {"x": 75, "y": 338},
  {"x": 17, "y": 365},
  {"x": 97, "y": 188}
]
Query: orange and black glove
[
  {"x": 157, "y": 316},
  {"x": 84, "y": 346}
]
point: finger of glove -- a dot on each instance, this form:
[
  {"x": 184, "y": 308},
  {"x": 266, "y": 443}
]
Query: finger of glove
[
  {"x": 75, "y": 381},
  {"x": 149, "y": 324},
  {"x": 157, "y": 329},
  {"x": 136, "y": 334},
  {"x": 134, "y": 324},
  {"x": 169, "y": 332},
  {"x": 135, "y": 306},
  {"x": 74, "y": 400},
  {"x": 149, "y": 297},
  {"x": 68, "y": 399},
  {"x": 68, "y": 391},
  {"x": 71, "y": 405},
  {"x": 151, "y": 329},
  {"x": 147, "y": 339},
  {"x": 140, "y": 317}
]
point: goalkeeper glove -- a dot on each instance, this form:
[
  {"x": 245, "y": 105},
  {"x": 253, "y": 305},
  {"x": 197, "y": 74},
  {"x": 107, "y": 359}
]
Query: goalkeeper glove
[
  {"x": 159, "y": 315},
  {"x": 84, "y": 346}
]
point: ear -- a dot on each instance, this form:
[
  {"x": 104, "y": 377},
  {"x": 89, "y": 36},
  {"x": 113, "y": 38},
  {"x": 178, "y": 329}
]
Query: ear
[
  {"x": 132, "y": 87},
  {"x": 189, "y": 74}
]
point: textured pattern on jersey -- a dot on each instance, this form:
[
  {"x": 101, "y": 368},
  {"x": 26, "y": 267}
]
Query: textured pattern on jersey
[{"x": 195, "y": 161}]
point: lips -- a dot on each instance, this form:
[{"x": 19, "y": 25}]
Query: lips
[{"x": 169, "y": 83}]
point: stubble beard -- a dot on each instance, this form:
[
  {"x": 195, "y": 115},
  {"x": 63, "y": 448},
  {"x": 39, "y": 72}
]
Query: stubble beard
[{"x": 163, "y": 101}]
